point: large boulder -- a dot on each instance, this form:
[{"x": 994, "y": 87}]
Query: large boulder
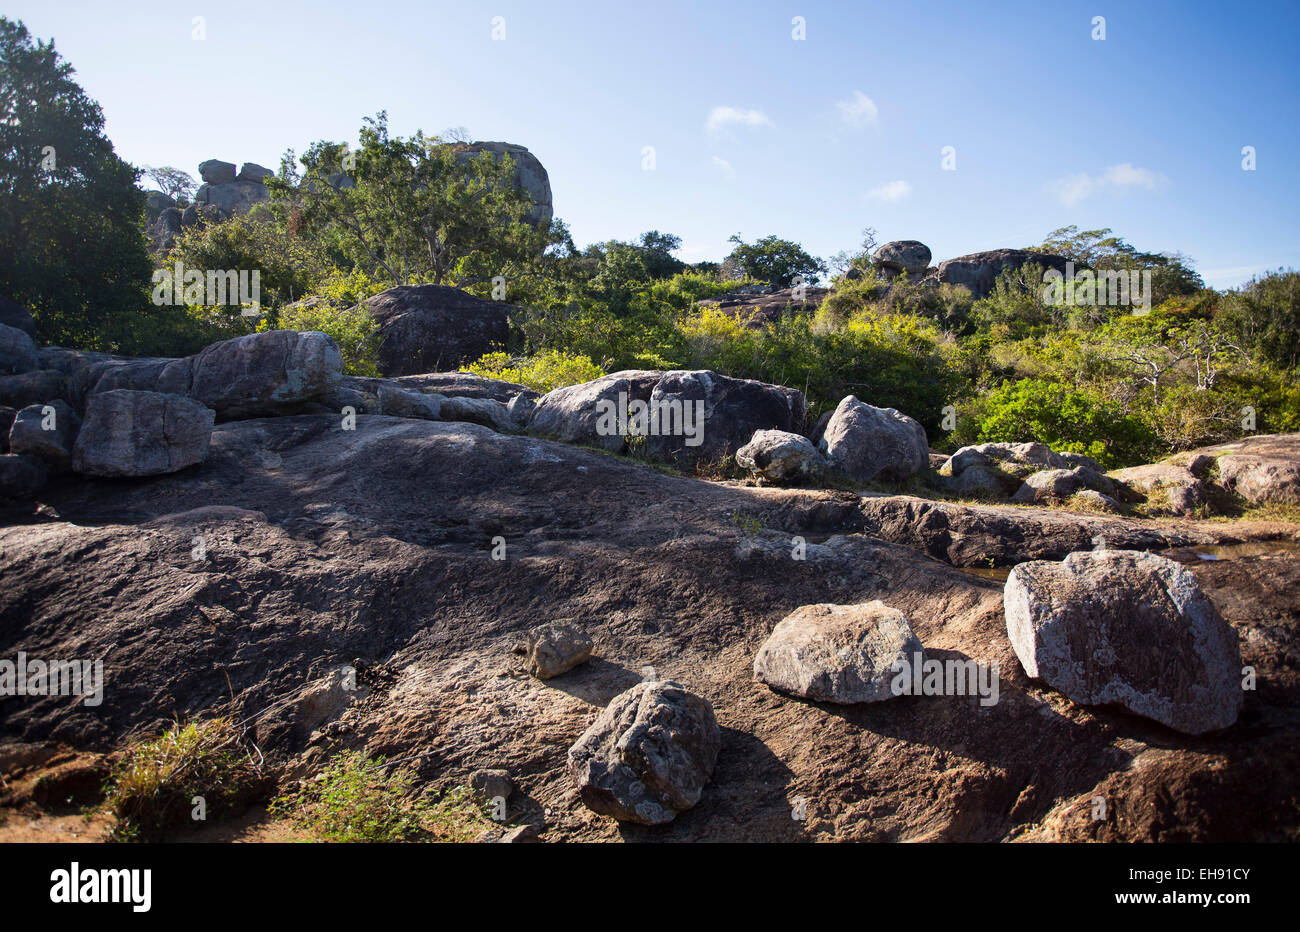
[
  {"x": 251, "y": 171},
  {"x": 837, "y": 653},
  {"x": 129, "y": 433},
  {"x": 780, "y": 456},
  {"x": 1121, "y": 627},
  {"x": 530, "y": 175},
  {"x": 266, "y": 373},
  {"x": 46, "y": 431},
  {"x": 485, "y": 411},
  {"x": 648, "y": 755},
  {"x": 998, "y": 469},
  {"x": 17, "y": 351},
  {"x": 865, "y": 442},
  {"x": 685, "y": 417},
  {"x": 431, "y": 328},
  {"x": 232, "y": 199},
  {"x": 979, "y": 271},
  {"x": 398, "y": 402},
  {"x": 215, "y": 171},
  {"x": 906, "y": 255}
]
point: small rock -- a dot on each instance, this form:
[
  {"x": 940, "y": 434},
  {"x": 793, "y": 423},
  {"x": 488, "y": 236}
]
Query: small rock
[
  {"x": 492, "y": 783},
  {"x": 837, "y": 653},
  {"x": 555, "y": 648},
  {"x": 780, "y": 456}
]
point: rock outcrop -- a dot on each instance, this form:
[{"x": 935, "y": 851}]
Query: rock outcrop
[
  {"x": 838, "y": 653},
  {"x": 47, "y": 432},
  {"x": 979, "y": 271},
  {"x": 1130, "y": 629},
  {"x": 266, "y": 373},
  {"x": 17, "y": 351},
  {"x": 1263, "y": 469},
  {"x": 647, "y": 757},
  {"x": 864, "y": 442},
  {"x": 530, "y": 175}
]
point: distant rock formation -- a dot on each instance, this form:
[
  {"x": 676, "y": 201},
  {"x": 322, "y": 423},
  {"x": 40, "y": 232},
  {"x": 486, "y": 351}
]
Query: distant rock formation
[
  {"x": 530, "y": 176},
  {"x": 223, "y": 194}
]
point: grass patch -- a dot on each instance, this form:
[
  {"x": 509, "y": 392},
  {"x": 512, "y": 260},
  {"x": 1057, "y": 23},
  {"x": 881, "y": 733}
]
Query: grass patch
[
  {"x": 153, "y": 788},
  {"x": 361, "y": 799}
]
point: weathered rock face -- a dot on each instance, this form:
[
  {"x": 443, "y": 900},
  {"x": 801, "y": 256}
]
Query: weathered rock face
[
  {"x": 47, "y": 432},
  {"x": 128, "y": 433},
  {"x": 266, "y": 373},
  {"x": 1056, "y": 485},
  {"x": 483, "y": 411},
  {"x": 232, "y": 199},
  {"x": 780, "y": 456},
  {"x": 555, "y": 648},
  {"x": 979, "y": 271},
  {"x": 648, "y": 755},
  {"x": 682, "y": 416},
  {"x": 530, "y": 176},
  {"x": 1126, "y": 628},
  {"x": 907, "y": 255},
  {"x": 1262, "y": 469},
  {"x": 399, "y": 402},
  {"x": 17, "y": 351},
  {"x": 837, "y": 653},
  {"x": 30, "y": 388},
  {"x": 865, "y": 442},
  {"x": 431, "y": 328}
]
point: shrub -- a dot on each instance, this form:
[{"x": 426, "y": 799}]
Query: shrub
[
  {"x": 1063, "y": 418},
  {"x": 542, "y": 372},
  {"x": 353, "y": 329},
  {"x": 153, "y": 787},
  {"x": 359, "y": 799}
]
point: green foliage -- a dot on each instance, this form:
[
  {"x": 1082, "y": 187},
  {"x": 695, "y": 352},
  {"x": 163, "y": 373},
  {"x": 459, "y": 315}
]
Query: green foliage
[
  {"x": 542, "y": 372},
  {"x": 152, "y": 788},
  {"x": 1065, "y": 419},
  {"x": 1264, "y": 318},
  {"x": 72, "y": 245},
  {"x": 776, "y": 261},
  {"x": 353, "y": 329},
  {"x": 359, "y": 799},
  {"x": 413, "y": 209}
]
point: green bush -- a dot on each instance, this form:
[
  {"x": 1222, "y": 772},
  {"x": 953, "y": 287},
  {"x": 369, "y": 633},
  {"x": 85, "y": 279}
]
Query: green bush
[
  {"x": 542, "y": 372},
  {"x": 353, "y": 329},
  {"x": 1063, "y": 418}
]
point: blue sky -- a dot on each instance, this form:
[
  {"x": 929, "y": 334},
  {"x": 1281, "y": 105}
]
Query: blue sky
[{"x": 753, "y": 131}]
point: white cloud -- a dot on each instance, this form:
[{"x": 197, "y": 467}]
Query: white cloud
[
  {"x": 890, "y": 191},
  {"x": 724, "y": 165},
  {"x": 1072, "y": 189},
  {"x": 720, "y": 117},
  {"x": 858, "y": 110}
]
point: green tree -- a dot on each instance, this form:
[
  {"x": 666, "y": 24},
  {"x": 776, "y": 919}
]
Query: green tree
[
  {"x": 1264, "y": 318},
  {"x": 776, "y": 261},
  {"x": 173, "y": 182},
  {"x": 412, "y": 209},
  {"x": 72, "y": 246}
]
